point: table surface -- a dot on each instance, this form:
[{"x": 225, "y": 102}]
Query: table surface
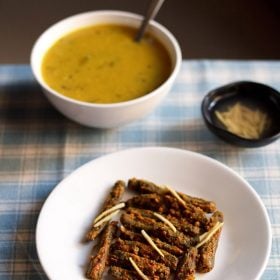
[{"x": 39, "y": 147}]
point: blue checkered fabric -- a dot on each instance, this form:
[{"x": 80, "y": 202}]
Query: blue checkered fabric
[{"x": 39, "y": 147}]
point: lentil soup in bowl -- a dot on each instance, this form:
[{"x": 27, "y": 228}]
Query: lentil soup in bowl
[{"x": 95, "y": 73}]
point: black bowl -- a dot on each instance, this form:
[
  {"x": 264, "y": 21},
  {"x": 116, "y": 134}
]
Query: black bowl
[{"x": 257, "y": 95}]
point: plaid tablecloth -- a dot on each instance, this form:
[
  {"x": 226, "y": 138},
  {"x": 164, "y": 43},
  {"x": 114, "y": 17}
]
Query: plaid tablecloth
[{"x": 39, "y": 147}]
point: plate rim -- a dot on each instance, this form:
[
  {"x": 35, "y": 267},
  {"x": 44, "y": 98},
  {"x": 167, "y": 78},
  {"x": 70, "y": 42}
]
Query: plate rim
[{"x": 163, "y": 149}]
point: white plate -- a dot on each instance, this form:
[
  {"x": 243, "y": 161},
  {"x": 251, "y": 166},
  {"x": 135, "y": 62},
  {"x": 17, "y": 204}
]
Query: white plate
[{"x": 245, "y": 241}]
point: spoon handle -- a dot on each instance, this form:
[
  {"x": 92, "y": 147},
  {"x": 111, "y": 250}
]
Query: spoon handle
[{"x": 153, "y": 9}]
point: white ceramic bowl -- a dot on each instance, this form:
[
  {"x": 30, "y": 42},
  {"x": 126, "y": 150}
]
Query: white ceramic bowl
[{"x": 104, "y": 115}]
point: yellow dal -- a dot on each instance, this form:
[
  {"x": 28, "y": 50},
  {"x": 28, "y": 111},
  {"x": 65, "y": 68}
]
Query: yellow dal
[{"x": 103, "y": 64}]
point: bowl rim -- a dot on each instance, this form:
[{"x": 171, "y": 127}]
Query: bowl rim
[
  {"x": 229, "y": 136},
  {"x": 125, "y": 14}
]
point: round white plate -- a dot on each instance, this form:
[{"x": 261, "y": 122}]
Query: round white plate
[{"x": 245, "y": 242}]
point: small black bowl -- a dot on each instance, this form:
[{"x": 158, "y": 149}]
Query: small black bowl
[{"x": 256, "y": 95}]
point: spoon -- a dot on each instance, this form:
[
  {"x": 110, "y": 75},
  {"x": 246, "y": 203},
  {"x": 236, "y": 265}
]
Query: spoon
[{"x": 152, "y": 11}]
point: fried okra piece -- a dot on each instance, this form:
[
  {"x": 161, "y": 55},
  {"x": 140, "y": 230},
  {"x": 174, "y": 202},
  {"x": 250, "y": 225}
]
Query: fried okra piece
[
  {"x": 120, "y": 273},
  {"x": 112, "y": 199},
  {"x": 186, "y": 266},
  {"x": 98, "y": 261},
  {"x": 156, "y": 203},
  {"x": 147, "y": 266},
  {"x": 146, "y": 251},
  {"x": 206, "y": 253},
  {"x": 195, "y": 217},
  {"x": 180, "y": 224},
  {"x": 184, "y": 225},
  {"x": 143, "y": 212},
  {"x": 206, "y": 205},
  {"x": 168, "y": 205},
  {"x": 134, "y": 236},
  {"x": 193, "y": 214},
  {"x": 153, "y": 202},
  {"x": 158, "y": 230},
  {"x": 145, "y": 187}
]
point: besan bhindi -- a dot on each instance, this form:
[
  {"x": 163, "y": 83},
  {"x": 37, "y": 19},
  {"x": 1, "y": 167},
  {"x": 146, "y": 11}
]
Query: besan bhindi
[
  {"x": 145, "y": 187},
  {"x": 146, "y": 251},
  {"x": 148, "y": 266},
  {"x": 156, "y": 234},
  {"x": 112, "y": 199},
  {"x": 158, "y": 230},
  {"x": 207, "y": 252},
  {"x": 98, "y": 261},
  {"x": 127, "y": 234}
]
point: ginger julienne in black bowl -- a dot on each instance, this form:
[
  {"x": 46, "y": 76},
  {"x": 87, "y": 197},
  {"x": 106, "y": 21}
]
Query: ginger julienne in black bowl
[{"x": 243, "y": 113}]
